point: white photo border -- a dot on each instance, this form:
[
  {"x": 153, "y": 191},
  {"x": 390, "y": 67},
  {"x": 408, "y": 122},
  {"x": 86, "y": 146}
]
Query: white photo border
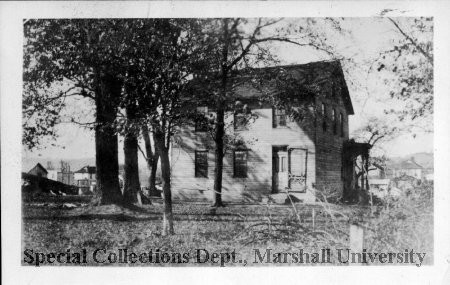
[{"x": 12, "y": 15}]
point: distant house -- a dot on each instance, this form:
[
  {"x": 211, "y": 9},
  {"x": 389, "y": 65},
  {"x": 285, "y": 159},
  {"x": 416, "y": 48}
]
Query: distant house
[
  {"x": 426, "y": 160},
  {"x": 66, "y": 177},
  {"x": 52, "y": 174},
  {"x": 39, "y": 171},
  {"x": 63, "y": 174},
  {"x": 405, "y": 168},
  {"x": 85, "y": 179}
]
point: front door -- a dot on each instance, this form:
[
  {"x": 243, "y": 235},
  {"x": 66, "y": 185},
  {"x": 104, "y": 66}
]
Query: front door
[{"x": 280, "y": 177}]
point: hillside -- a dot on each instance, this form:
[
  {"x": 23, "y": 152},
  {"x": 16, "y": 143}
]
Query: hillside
[{"x": 424, "y": 159}]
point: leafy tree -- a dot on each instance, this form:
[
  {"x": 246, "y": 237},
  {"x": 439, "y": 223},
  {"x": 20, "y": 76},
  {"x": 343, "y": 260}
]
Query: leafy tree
[
  {"x": 407, "y": 68},
  {"x": 373, "y": 133},
  {"x": 161, "y": 76},
  {"x": 84, "y": 58},
  {"x": 40, "y": 111},
  {"x": 151, "y": 157},
  {"x": 131, "y": 130}
]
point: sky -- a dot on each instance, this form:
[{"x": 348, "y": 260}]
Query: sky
[{"x": 366, "y": 38}]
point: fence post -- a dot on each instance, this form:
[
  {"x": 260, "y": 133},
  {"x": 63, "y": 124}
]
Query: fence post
[{"x": 356, "y": 239}]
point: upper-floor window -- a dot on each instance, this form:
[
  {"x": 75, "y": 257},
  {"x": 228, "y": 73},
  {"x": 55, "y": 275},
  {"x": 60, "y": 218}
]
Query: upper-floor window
[
  {"x": 324, "y": 117},
  {"x": 240, "y": 120},
  {"x": 201, "y": 125},
  {"x": 201, "y": 163},
  {"x": 334, "y": 119},
  {"x": 279, "y": 118},
  {"x": 333, "y": 89},
  {"x": 341, "y": 123},
  {"x": 240, "y": 163}
]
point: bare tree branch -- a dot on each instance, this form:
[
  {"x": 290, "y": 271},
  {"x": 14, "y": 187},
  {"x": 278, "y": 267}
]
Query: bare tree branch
[{"x": 412, "y": 41}]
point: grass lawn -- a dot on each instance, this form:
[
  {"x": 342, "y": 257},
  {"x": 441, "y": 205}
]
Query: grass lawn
[{"x": 234, "y": 233}]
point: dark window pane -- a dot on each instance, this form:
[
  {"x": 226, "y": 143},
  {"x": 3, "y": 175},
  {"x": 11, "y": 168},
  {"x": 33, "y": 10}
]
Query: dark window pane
[
  {"x": 279, "y": 118},
  {"x": 334, "y": 122},
  {"x": 240, "y": 121},
  {"x": 201, "y": 123},
  {"x": 240, "y": 163},
  {"x": 201, "y": 163},
  {"x": 200, "y": 126},
  {"x": 333, "y": 89}
]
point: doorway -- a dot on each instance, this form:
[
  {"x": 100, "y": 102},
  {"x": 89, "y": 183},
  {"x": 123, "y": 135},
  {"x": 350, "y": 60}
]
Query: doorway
[{"x": 280, "y": 176}]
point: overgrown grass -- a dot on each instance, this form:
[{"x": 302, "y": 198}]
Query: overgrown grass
[
  {"x": 404, "y": 223},
  {"x": 240, "y": 228}
]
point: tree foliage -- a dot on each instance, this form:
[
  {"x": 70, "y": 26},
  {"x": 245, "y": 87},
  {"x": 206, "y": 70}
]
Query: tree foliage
[
  {"x": 161, "y": 67},
  {"x": 87, "y": 58},
  {"x": 407, "y": 68},
  {"x": 62, "y": 59}
]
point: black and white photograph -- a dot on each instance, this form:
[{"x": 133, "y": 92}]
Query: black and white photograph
[{"x": 197, "y": 141}]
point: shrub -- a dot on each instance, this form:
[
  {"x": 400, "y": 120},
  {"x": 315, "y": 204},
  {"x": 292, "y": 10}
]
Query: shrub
[{"x": 404, "y": 222}]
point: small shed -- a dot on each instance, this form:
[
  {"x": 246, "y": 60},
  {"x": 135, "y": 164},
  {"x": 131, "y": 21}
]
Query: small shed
[{"x": 39, "y": 171}]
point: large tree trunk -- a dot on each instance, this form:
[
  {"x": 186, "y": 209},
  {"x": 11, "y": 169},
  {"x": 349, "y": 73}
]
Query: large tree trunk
[
  {"x": 220, "y": 123},
  {"x": 152, "y": 161},
  {"x": 163, "y": 152},
  {"x": 218, "y": 170},
  {"x": 153, "y": 165},
  {"x": 106, "y": 143},
  {"x": 132, "y": 187}
]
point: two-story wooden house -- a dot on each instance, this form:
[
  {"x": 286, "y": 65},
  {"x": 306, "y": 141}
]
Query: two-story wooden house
[{"x": 279, "y": 154}]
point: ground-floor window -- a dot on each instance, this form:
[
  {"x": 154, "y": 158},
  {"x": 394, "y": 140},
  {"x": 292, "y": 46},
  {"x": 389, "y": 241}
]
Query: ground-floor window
[
  {"x": 201, "y": 163},
  {"x": 240, "y": 163}
]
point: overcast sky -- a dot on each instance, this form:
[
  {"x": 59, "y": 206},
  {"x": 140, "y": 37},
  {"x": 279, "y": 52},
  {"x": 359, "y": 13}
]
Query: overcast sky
[{"x": 368, "y": 36}]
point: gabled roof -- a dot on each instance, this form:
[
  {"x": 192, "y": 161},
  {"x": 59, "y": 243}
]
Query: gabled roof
[
  {"x": 87, "y": 169},
  {"x": 38, "y": 165},
  {"x": 319, "y": 72}
]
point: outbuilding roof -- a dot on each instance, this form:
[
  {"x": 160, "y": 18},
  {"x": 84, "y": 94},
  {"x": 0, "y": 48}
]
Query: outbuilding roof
[
  {"x": 38, "y": 165},
  {"x": 87, "y": 169}
]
